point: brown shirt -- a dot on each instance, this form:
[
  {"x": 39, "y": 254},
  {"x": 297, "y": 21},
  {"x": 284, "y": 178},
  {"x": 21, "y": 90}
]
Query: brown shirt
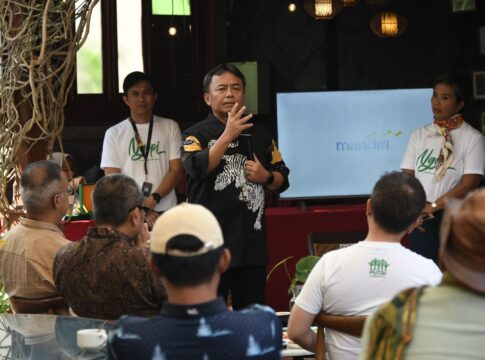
[
  {"x": 105, "y": 275},
  {"x": 27, "y": 258}
]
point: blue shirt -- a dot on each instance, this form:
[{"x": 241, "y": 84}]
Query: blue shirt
[{"x": 204, "y": 331}]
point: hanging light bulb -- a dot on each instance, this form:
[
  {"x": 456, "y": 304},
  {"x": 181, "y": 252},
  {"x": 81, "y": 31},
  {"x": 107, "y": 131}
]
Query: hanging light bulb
[
  {"x": 172, "y": 31},
  {"x": 292, "y": 7}
]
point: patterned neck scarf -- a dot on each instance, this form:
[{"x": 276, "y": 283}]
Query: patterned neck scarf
[{"x": 446, "y": 154}]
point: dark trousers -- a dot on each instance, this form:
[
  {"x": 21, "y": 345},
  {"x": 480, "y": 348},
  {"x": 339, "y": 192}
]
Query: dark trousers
[
  {"x": 247, "y": 285},
  {"x": 427, "y": 243}
]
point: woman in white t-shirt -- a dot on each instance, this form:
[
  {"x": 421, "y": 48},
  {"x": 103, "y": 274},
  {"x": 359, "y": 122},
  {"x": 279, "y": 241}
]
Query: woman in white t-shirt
[{"x": 447, "y": 156}]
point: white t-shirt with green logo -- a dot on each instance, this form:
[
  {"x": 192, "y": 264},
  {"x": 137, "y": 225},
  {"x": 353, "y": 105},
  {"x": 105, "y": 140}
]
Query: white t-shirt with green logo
[
  {"x": 424, "y": 148},
  {"x": 120, "y": 151},
  {"x": 356, "y": 280}
]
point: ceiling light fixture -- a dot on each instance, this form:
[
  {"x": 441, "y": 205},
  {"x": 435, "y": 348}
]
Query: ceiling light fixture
[
  {"x": 323, "y": 9},
  {"x": 388, "y": 24}
]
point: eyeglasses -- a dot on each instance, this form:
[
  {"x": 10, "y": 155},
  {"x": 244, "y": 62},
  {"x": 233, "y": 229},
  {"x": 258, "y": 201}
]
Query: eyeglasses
[
  {"x": 70, "y": 191},
  {"x": 141, "y": 208}
]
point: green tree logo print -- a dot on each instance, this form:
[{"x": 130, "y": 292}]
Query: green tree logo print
[{"x": 378, "y": 267}]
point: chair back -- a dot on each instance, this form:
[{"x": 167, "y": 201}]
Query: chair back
[
  {"x": 352, "y": 325},
  {"x": 52, "y": 305},
  {"x": 85, "y": 200},
  {"x": 320, "y": 243}
]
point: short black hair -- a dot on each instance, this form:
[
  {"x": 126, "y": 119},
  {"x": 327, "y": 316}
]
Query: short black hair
[
  {"x": 221, "y": 69},
  {"x": 114, "y": 196},
  {"x": 457, "y": 83},
  {"x": 134, "y": 78},
  {"x": 183, "y": 271},
  {"x": 397, "y": 201}
]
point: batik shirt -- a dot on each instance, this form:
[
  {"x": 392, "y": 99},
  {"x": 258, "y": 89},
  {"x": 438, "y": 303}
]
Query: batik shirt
[
  {"x": 237, "y": 203},
  {"x": 204, "y": 331},
  {"x": 105, "y": 275}
]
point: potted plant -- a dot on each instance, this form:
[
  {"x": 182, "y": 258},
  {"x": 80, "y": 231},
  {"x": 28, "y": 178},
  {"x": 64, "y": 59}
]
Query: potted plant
[{"x": 303, "y": 268}]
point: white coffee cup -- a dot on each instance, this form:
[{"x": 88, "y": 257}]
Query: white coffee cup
[{"x": 91, "y": 339}]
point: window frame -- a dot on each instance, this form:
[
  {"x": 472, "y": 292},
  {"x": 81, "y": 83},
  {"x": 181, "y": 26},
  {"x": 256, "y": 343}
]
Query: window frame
[{"x": 107, "y": 106}]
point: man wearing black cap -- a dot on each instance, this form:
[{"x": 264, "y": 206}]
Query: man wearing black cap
[
  {"x": 450, "y": 319},
  {"x": 189, "y": 256}
]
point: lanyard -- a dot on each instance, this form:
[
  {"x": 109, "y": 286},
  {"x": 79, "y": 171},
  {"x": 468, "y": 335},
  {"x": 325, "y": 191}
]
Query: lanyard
[{"x": 144, "y": 149}]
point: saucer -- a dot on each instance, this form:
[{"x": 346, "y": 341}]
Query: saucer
[
  {"x": 92, "y": 349},
  {"x": 91, "y": 355}
]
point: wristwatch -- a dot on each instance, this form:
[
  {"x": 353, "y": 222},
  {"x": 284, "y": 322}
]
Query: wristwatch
[
  {"x": 270, "y": 179},
  {"x": 156, "y": 196}
]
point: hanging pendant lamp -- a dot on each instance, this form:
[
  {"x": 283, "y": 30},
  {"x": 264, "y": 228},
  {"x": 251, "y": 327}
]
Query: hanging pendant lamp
[
  {"x": 323, "y": 9},
  {"x": 388, "y": 24},
  {"x": 172, "y": 30}
]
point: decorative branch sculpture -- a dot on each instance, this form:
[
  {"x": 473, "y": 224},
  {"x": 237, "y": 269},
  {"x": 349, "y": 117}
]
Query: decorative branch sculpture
[{"x": 38, "y": 44}]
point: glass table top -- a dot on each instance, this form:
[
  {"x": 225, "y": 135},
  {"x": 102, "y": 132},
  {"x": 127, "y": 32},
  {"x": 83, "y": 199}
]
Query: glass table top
[{"x": 28, "y": 336}]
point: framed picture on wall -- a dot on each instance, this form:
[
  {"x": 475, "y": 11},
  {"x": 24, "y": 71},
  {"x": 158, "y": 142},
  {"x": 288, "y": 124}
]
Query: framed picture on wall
[
  {"x": 481, "y": 37},
  {"x": 479, "y": 85},
  {"x": 462, "y": 5}
]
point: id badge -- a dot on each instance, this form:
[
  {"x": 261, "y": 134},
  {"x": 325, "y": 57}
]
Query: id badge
[{"x": 146, "y": 189}]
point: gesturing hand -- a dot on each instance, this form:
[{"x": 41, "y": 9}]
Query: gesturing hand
[
  {"x": 419, "y": 222},
  {"x": 255, "y": 171},
  {"x": 236, "y": 122}
]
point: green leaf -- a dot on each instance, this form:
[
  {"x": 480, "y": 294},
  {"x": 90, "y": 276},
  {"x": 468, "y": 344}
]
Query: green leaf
[
  {"x": 304, "y": 266},
  {"x": 4, "y": 302}
]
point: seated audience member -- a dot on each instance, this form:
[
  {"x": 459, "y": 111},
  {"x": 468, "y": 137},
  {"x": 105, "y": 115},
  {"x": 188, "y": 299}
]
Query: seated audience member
[
  {"x": 189, "y": 256},
  {"x": 450, "y": 319},
  {"x": 27, "y": 257},
  {"x": 357, "y": 279},
  {"x": 106, "y": 274}
]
